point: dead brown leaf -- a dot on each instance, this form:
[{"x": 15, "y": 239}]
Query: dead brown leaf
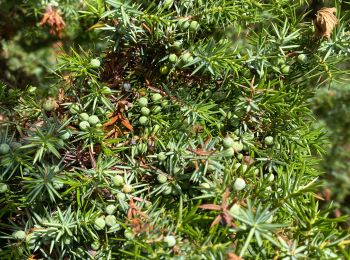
[
  {"x": 53, "y": 18},
  {"x": 325, "y": 22},
  {"x": 232, "y": 256}
]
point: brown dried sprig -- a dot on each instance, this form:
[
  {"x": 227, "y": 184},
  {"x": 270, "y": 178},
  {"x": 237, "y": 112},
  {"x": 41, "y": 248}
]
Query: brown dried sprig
[
  {"x": 325, "y": 22},
  {"x": 224, "y": 217},
  {"x": 53, "y": 18}
]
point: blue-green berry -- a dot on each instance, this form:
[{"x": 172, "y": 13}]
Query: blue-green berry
[{"x": 239, "y": 184}]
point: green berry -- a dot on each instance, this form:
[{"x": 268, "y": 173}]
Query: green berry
[
  {"x": 83, "y": 125},
  {"x": 145, "y": 111},
  {"x": 164, "y": 70},
  {"x": 270, "y": 177},
  {"x": 239, "y": 184},
  {"x": 111, "y": 220},
  {"x": 95, "y": 63},
  {"x": 106, "y": 90},
  {"x": 285, "y": 69},
  {"x": 280, "y": 61},
  {"x": 187, "y": 57},
  {"x": 194, "y": 25},
  {"x": 177, "y": 45},
  {"x": 67, "y": 240},
  {"x": 93, "y": 120},
  {"x": 172, "y": 58},
  {"x": 121, "y": 196},
  {"x": 229, "y": 152},
  {"x": 161, "y": 156},
  {"x": 237, "y": 147},
  {"x": 239, "y": 156},
  {"x": 170, "y": 241},
  {"x": 127, "y": 188},
  {"x": 167, "y": 190},
  {"x": 164, "y": 103},
  {"x": 156, "y": 109},
  {"x": 227, "y": 142},
  {"x": 268, "y": 140},
  {"x": 302, "y": 58},
  {"x": 118, "y": 180},
  {"x": 19, "y": 235},
  {"x": 162, "y": 178},
  {"x": 99, "y": 223},
  {"x": 129, "y": 234},
  {"x": 185, "y": 25},
  {"x": 3, "y": 187},
  {"x": 143, "y": 120},
  {"x": 66, "y": 135},
  {"x": 84, "y": 117},
  {"x": 143, "y": 102},
  {"x": 156, "y": 97},
  {"x": 4, "y": 149},
  {"x": 110, "y": 209},
  {"x": 95, "y": 245},
  {"x": 235, "y": 209},
  {"x": 49, "y": 104},
  {"x": 74, "y": 109}
]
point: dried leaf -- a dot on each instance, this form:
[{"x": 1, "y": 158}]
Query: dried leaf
[
  {"x": 232, "y": 256},
  {"x": 53, "y": 18},
  {"x": 325, "y": 22}
]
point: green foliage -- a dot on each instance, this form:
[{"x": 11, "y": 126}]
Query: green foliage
[{"x": 215, "y": 155}]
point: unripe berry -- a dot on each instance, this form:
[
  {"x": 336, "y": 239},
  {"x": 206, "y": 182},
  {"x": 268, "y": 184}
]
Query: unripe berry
[
  {"x": 302, "y": 58},
  {"x": 66, "y": 135},
  {"x": 285, "y": 69},
  {"x": 268, "y": 140},
  {"x": 143, "y": 120},
  {"x": 229, "y": 152},
  {"x": 164, "y": 70},
  {"x": 110, "y": 209},
  {"x": 145, "y": 111},
  {"x": 194, "y": 25},
  {"x": 19, "y": 235},
  {"x": 49, "y": 104},
  {"x": 3, "y": 187},
  {"x": 237, "y": 146},
  {"x": 239, "y": 184},
  {"x": 143, "y": 102},
  {"x": 84, "y": 117},
  {"x": 95, "y": 63},
  {"x": 227, "y": 142},
  {"x": 4, "y": 149},
  {"x": 118, "y": 180},
  {"x": 99, "y": 223},
  {"x": 93, "y": 120},
  {"x": 170, "y": 241},
  {"x": 84, "y": 125},
  {"x": 95, "y": 245},
  {"x": 127, "y": 188},
  {"x": 161, "y": 156},
  {"x": 162, "y": 178},
  {"x": 156, "y": 97},
  {"x": 172, "y": 58},
  {"x": 111, "y": 220}
]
